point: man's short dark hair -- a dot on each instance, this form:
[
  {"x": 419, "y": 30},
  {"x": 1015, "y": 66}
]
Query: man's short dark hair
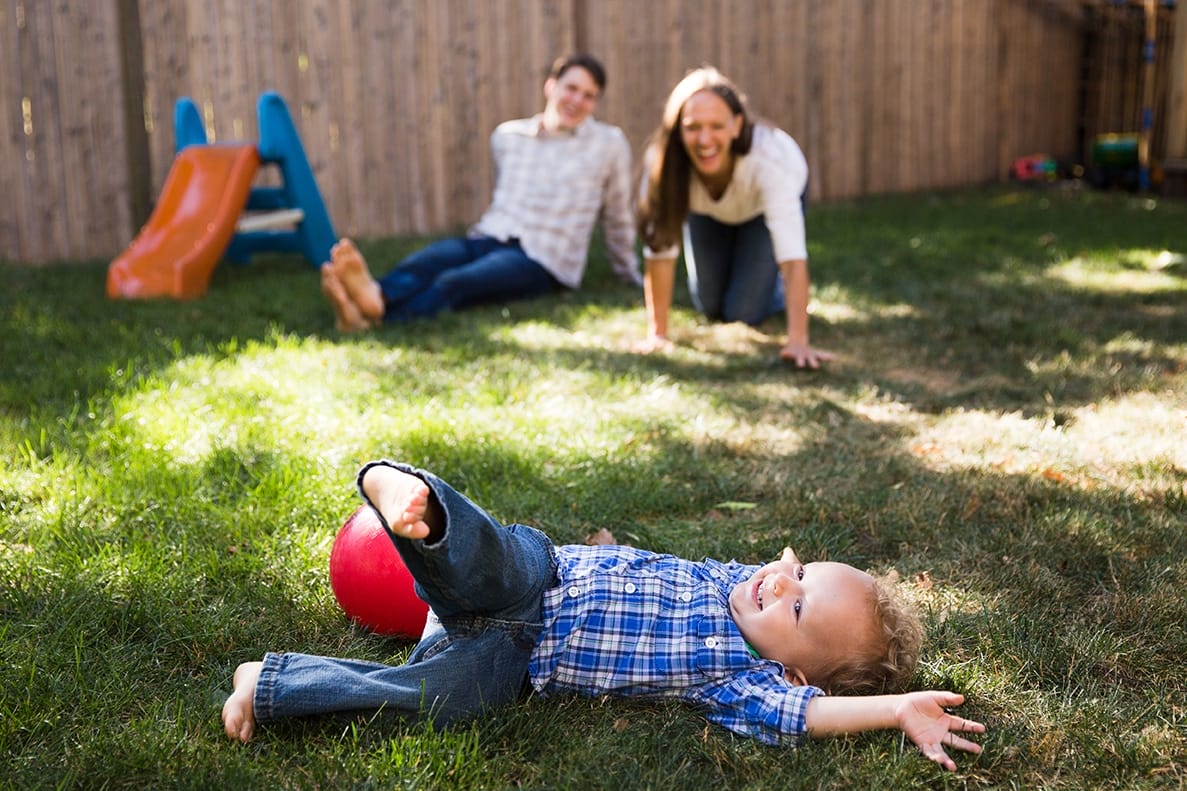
[{"x": 585, "y": 61}]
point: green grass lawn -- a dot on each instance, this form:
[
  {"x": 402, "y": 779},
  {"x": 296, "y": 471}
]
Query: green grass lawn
[{"x": 1006, "y": 427}]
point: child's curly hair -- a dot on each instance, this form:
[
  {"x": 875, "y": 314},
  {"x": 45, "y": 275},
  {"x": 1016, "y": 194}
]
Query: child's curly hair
[{"x": 887, "y": 661}]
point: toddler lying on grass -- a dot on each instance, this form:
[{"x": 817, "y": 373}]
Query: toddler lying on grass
[{"x": 754, "y": 648}]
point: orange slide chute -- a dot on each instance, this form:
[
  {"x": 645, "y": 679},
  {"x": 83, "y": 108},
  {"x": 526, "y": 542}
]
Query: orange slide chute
[{"x": 189, "y": 230}]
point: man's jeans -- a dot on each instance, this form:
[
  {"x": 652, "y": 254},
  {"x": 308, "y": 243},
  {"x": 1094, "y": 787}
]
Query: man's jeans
[{"x": 461, "y": 272}]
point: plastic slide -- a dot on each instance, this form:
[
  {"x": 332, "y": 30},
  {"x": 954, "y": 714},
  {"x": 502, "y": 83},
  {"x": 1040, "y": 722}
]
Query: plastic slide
[{"x": 193, "y": 222}]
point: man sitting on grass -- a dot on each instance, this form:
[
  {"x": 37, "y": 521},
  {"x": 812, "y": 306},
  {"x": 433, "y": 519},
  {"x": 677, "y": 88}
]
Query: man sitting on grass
[
  {"x": 754, "y": 648},
  {"x": 557, "y": 175}
]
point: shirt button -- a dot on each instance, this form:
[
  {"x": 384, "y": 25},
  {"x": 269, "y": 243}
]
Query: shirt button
[
  {"x": 574, "y": 592},
  {"x": 629, "y": 587},
  {"x": 686, "y": 596},
  {"x": 711, "y": 642}
]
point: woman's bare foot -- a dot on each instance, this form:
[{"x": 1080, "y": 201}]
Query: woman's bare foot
[
  {"x": 361, "y": 287},
  {"x": 347, "y": 316},
  {"x": 239, "y": 712},
  {"x": 403, "y": 500}
]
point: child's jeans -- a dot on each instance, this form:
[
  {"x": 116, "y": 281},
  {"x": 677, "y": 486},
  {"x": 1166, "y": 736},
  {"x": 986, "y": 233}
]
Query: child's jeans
[{"x": 484, "y": 582}]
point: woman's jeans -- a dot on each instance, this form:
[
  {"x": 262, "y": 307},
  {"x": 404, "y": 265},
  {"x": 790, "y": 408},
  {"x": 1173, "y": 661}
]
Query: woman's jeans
[
  {"x": 484, "y": 583},
  {"x": 732, "y": 271},
  {"x": 460, "y": 272}
]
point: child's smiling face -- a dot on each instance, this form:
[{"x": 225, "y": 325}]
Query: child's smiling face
[{"x": 807, "y": 617}]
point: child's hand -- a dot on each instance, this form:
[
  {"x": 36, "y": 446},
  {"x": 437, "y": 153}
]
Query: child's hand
[{"x": 922, "y": 717}]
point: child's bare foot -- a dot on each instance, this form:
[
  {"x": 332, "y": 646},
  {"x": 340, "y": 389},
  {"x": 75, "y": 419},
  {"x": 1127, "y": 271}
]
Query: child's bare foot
[
  {"x": 347, "y": 316},
  {"x": 363, "y": 289},
  {"x": 239, "y": 712},
  {"x": 403, "y": 500}
]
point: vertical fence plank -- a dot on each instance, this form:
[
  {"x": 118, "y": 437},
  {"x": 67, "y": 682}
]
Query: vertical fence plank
[
  {"x": 139, "y": 181},
  {"x": 1176, "y": 115},
  {"x": 353, "y": 104},
  {"x": 987, "y": 127},
  {"x": 46, "y": 182},
  {"x": 826, "y": 88},
  {"x": 955, "y": 146},
  {"x": 877, "y": 139},
  {"x": 434, "y": 114},
  {"x": 472, "y": 179},
  {"x": 1007, "y": 86},
  {"x": 163, "y": 42},
  {"x": 70, "y": 101},
  {"x": 103, "y": 167},
  {"x": 14, "y": 222}
]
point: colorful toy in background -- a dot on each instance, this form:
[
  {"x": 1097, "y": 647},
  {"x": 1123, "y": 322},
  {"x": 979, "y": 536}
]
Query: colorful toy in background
[
  {"x": 1116, "y": 162},
  {"x": 370, "y": 581},
  {"x": 208, "y": 209},
  {"x": 1036, "y": 167}
]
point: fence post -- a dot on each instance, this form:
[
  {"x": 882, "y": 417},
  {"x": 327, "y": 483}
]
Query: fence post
[
  {"x": 135, "y": 135},
  {"x": 580, "y": 34},
  {"x": 1176, "y": 101},
  {"x": 1147, "y": 123}
]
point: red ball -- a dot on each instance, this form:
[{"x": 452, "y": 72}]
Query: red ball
[{"x": 370, "y": 580}]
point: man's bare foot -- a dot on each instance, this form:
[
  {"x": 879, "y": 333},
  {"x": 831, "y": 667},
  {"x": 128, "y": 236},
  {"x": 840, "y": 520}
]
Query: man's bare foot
[
  {"x": 347, "y": 316},
  {"x": 239, "y": 712},
  {"x": 363, "y": 289},
  {"x": 403, "y": 500}
]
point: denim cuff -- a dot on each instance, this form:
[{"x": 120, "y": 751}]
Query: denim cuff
[
  {"x": 265, "y": 694},
  {"x": 429, "y": 480}
]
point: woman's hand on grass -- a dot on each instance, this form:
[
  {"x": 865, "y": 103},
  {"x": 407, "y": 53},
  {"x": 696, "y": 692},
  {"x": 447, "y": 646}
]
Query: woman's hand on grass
[
  {"x": 652, "y": 344},
  {"x": 804, "y": 356}
]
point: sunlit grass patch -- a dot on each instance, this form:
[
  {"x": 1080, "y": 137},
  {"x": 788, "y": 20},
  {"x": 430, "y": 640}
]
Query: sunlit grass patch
[
  {"x": 305, "y": 399},
  {"x": 1099, "y": 444},
  {"x": 1134, "y": 271}
]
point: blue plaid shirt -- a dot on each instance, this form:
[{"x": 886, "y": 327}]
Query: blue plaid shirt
[{"x": 626, "y": 622}]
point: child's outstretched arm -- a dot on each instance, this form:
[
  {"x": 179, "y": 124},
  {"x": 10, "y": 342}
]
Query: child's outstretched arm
[{"x": 920, "y": 715}]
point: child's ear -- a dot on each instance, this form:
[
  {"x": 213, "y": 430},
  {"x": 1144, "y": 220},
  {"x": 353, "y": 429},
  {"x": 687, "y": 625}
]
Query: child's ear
[{"x": 795, "y": 677}]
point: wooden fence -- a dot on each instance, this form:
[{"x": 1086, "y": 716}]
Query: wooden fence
[{"x": 395, "y": 99}]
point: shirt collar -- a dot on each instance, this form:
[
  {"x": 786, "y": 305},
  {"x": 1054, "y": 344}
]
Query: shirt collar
[{"x": 539, "y": 132}]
